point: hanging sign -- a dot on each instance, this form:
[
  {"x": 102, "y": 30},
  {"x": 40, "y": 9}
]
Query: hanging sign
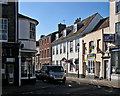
[{"x": 29, "y": 59}]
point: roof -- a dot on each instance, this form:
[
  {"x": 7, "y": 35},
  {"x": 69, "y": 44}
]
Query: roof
[
  {"x": 85, "y": 22},
  {"x": 23, "y": 16},
  {"x": 102, "y": 24}
]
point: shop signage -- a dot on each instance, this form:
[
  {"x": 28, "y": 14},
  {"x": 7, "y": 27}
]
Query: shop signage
[
  {"x": 109, "y": 37},
  {"x": 10, "y": 59},
  {"x": 29, "y": 59},
  {"x": 91, "y": 56}
]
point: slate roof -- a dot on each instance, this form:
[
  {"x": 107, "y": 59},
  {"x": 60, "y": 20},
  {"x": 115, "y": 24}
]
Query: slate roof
[
  {"x": 23, "y": 16},
  {"x": 85, "y": 22}
]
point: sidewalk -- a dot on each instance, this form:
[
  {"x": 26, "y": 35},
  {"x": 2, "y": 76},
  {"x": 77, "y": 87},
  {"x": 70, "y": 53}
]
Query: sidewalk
[{"x": 103, "y": 82}]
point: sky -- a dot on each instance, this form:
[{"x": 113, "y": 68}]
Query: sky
[{"x": 50, "y": 14}]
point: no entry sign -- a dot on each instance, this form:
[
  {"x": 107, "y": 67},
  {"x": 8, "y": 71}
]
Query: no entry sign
[{"x": 29, "y": 58}]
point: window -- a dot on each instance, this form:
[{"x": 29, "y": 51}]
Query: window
[
  {"x": 98, "y": 46},
  {"x": 57, "y": 36},
  {"x": 91, "y": 66},
  {"x": 71, "y": 46},
  {"x": 48, "y": 40},
  {"x": 117, "y": 7},
  {"x": 105, "y": 46},
  {"x": 3, "y": 29},
  {"x": 117, "y": 26},
  {"x": 56, "y": 49},
  {"x": 42, "y": 54},
  {"x": 42, "y": 42},
  {"x": 84, "y": 48},
  {"x": 64, "y": 33},
  {"x": 76, "y": 43},
  {"x": 53, "y": 51},
  {"x": 71, "y": 65},
  {"x": 32, "y": 30},
  {"x": 4, "y": 2},
  {"x": 75, "y": 28},
  {"x": 56, "y": 62},
  {"x": 91, "y": 47},
  {"x": 45, "y": 41},
  {"x": 47, "y": 52},
  {"x": 64, "y": 47},
  {"x": 60, "y": 48}
]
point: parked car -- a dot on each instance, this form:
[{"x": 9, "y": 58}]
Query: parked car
[
  {"x": 53, "y": 73},
  {"x": 38, "y": 74}
]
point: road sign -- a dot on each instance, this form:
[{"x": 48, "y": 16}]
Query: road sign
[{"x": 29, "y": 58}]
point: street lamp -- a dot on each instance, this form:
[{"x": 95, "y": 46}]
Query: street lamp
[{"x": 78, "y": 58}]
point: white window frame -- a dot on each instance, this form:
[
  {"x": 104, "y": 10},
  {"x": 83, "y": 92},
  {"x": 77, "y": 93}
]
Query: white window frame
[{"x": 4, "y": 29}]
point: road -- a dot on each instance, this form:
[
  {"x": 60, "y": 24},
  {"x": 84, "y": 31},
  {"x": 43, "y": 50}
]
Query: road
[{"x": 69, "y": 88}]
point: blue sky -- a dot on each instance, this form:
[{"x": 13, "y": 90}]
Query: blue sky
[{"x": 50, "y": 14}]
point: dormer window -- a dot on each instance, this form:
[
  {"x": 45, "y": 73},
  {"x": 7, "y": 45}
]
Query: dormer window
[
  {"x": 75, "y": 28},
  {"x": 64, "y": 33},
  {"x": 57, "y": 36}
]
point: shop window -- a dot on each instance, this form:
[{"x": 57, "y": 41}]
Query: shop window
[
  {"x": 71, "y": 46},
  {"x": 91, "y": 46},
  {"x": 3, "y": 29},
  {"x": 91, "y": 66},
  {"x": 32, "y": 31}
]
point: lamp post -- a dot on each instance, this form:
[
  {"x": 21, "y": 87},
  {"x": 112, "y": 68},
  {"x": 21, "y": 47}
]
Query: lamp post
[{"x": 78, "y": 58}]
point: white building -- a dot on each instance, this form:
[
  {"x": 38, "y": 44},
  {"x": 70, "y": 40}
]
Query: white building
[
  {"x": 27, "y": 40},
  {"x": 65, "y": 47}
]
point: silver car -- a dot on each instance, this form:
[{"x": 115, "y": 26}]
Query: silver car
[{"x": 53, "y": 73}]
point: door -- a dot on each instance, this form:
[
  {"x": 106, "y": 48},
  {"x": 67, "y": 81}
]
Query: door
[
  {"x": 106, "y": 69},
  {"x": 98, "y": 69},
  {"x": 10, "y": 73}
]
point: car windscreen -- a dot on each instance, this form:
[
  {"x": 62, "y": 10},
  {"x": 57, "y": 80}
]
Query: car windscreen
[{"x": 55, "y": 69}]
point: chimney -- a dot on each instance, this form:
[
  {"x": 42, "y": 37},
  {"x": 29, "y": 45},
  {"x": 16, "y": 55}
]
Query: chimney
[
  {"x": 77, "y": 20},
  {"x": 61, "y": 27}
]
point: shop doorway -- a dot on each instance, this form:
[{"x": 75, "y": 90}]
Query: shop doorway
[{"x": 10, "y": 73}]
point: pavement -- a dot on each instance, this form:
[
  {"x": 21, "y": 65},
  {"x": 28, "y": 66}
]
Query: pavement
[{"x": 102, "y": 82}]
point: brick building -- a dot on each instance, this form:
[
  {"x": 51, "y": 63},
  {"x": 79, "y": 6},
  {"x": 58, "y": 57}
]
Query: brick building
[{"x": 45, "y": 45}]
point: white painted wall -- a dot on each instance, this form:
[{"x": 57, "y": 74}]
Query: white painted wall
[{"x": 24, "y": 34}]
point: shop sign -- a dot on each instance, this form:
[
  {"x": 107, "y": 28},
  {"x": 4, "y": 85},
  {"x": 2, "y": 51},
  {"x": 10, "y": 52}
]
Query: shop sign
[
  {"x": 91, "y": 56},
  {"x": 84, "y": 58},
  {"x": 29, "y": 59},
  {"x": 109, "y": 37},
  {"x": 10, "y": 59}
]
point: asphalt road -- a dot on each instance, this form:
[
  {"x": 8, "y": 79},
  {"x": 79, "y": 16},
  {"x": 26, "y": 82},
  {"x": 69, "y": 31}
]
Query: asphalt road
[{"x": 69, "y": 88}]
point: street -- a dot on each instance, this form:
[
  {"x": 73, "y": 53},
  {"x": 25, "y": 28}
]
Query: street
[{"x": 71, "y": 87}]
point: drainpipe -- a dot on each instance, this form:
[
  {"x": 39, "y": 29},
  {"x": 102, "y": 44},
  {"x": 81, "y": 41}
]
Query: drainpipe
[
  {"x": 19, "y": 66},
  {"x": 102, "y": 53}
]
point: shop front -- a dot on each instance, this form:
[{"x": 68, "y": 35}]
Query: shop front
[
  {"x": 28, "y": 67},
  {"x": 10, "y": 65}
]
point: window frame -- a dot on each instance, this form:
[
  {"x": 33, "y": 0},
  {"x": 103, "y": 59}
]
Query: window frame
[
  {"x": 91, "y": 48},
  {"x": 4, "y": 29},
  {"x": 71, "y": 46},
  {"x": 32, "y": 31}
]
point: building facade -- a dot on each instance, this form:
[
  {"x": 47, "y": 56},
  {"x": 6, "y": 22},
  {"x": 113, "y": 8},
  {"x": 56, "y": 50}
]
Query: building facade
[
  {"x": 27, "y": 51},
  {"x": 9, "y": 43},
  {"x": 65, "y": 49},
  {"x": 45, "y": 45}
]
